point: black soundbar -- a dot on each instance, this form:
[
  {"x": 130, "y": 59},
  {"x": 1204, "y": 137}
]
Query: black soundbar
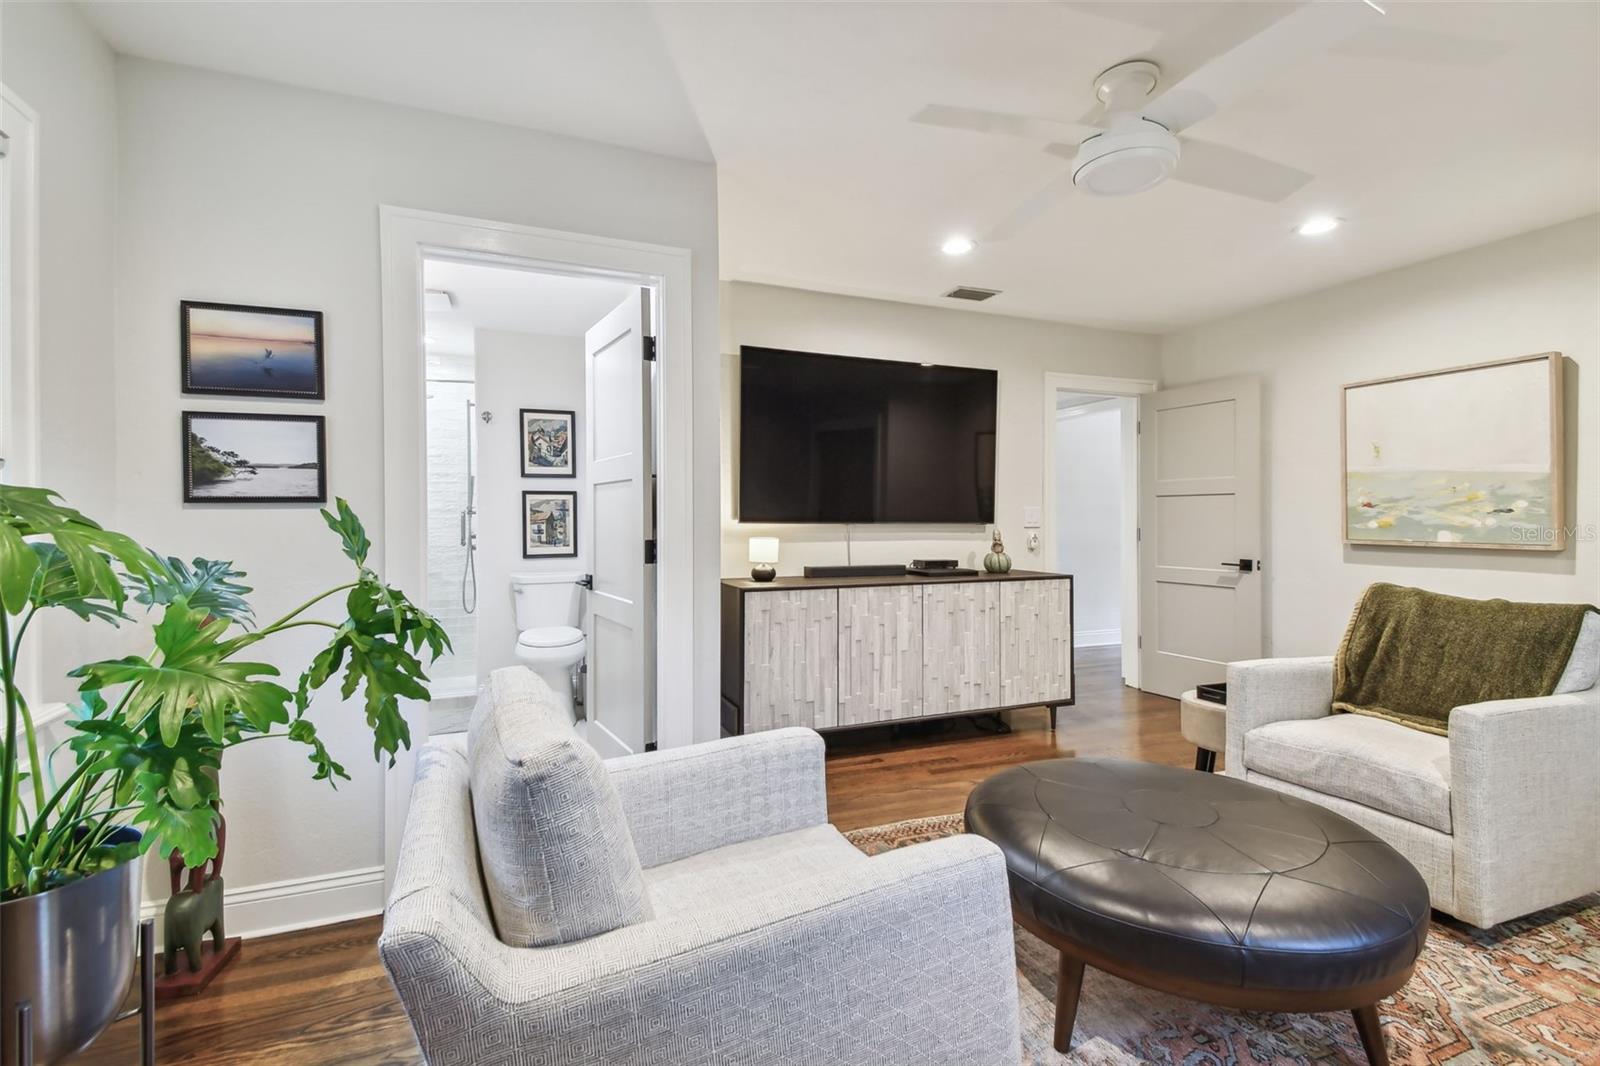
[{"x": 864, "y": 570}]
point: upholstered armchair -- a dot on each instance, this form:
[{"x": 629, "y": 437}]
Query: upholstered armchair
[
  {"x": 1502, "y": 817},
  {"x": 754, "y": 933}
]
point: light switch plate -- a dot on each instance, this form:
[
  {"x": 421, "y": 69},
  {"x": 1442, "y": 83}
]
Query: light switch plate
[{"x": 1030, "y": 518}]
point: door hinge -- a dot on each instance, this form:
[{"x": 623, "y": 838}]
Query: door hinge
[
  {"x": 1138, "y": 534},
  {"x": 649, "y": 552},
  {"x": 1138, "y": 426},
  {"x": 649, "y": 349},
  {"x": 1139, "y": 641}
]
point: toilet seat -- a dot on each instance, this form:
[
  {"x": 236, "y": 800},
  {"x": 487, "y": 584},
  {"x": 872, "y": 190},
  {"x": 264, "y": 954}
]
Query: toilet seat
[{"x": 550, "y": 637}]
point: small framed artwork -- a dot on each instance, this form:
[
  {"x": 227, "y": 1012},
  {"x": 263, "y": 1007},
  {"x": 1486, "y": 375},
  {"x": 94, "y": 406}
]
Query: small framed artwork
[
  {"x": 548, "y": 449},
  {"x": 549, "y": 524},
  {"x": 1468, "y": 457},
  {"x": 247, "y": 458},
  {"x": 239, "y": 350}
]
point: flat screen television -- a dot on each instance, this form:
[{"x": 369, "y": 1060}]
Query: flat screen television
[{"x": 831, "y": 438}]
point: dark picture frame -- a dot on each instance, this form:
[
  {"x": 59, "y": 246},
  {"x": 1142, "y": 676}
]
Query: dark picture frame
[
  {"x": 230, "y": 369},
  {"x": 203, "y": 456},
  {"x": 532, "y": 551},
  {"x": 545, "y": 414}
]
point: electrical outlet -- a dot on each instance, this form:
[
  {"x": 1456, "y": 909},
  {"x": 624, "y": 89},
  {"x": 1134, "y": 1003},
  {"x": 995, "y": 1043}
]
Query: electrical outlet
[{"x": 1030, "y": 518}]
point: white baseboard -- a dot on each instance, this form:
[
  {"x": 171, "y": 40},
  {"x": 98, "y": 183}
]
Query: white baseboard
[
  {"x": 1095, "y": 638},
  {"x": 284, "y": 906}
]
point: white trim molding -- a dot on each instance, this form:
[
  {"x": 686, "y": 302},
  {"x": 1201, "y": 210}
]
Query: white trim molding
[
  {"x": 300, "y": 903},
  {"x": 1102, "y": 386},
  {"x": 407, "y": 235}
]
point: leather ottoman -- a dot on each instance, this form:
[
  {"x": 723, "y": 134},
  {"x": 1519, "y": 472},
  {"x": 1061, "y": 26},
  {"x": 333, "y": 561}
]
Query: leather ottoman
[{"x": 1203, "y": 886}]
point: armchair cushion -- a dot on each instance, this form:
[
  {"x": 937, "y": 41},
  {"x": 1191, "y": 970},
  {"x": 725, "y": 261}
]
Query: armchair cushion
[
  {"x": 741, "y": 871},
  {"x": 558, "y": 859},
  {"x": 1378, "y": 764}
]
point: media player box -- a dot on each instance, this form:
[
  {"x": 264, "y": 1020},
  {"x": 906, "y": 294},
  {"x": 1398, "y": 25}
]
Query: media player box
[
  {"x": 864, "y": 570},
  {"x": 933, "y": 564}
]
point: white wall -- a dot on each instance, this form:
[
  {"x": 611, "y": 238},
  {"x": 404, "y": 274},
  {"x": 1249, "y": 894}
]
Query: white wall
[
  {"x": 1022, "y": 350},
  {"x": 517, "y": 370},
  {"x": 1533, "y": 293},
  {"x": 1088, "y": 520},
  {"x": 239, "y": 190},
  {"x": 59, "y": 67}
]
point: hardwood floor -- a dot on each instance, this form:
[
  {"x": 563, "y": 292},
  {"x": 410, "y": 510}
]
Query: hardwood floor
[{"x": 321, "y": 996}]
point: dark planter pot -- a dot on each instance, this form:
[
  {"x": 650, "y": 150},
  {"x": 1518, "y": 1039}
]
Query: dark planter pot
[{"x": 70, "y": 953}]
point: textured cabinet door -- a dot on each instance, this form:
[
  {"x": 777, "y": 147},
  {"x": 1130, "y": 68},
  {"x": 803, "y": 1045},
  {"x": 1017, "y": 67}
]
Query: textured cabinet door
[
  {"x": 880, "y": 654},
  {"x": 960, "y": 647},
  {"x": 1035, "y": 641},
  {"x": 791, "y": 664}
]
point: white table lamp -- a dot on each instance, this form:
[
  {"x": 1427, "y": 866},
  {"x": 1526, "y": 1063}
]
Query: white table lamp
[{"x": 763, "y": 553}]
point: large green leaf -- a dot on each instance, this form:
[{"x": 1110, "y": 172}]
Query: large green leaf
[
  {"x": 18, "y": 565},
  {"x": 55, "y": 585},
  {"x": 192, "y": 677},
  {"x": 206, "y": 584},
  {"x": 350, "y": 530}
]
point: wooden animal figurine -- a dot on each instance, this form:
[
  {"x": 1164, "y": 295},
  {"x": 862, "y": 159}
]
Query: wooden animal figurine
[{"x": 195, "y": 910}]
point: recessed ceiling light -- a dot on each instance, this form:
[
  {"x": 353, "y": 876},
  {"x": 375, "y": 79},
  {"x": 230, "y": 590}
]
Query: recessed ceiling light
[
  {"x": 957, "y": 246},
  {"x": 1317, "y": 225}
]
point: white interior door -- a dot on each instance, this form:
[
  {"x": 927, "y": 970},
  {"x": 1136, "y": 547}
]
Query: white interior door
[
  {"x": 619, "y": 611},
  {"x": 1200, "y": 541}
]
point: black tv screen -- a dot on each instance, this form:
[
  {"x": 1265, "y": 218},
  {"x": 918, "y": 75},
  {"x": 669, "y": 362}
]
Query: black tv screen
[{"x": 830, "y": 438}]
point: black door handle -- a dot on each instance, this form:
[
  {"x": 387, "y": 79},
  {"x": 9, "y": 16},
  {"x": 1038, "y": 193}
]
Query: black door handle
[
  {"x": 586, "y": 581},
  {"x": 1244, "y": 566}
]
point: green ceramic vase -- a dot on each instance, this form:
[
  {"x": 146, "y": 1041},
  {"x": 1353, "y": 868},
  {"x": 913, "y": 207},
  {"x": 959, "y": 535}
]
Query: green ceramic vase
[{"x": 997, "y": 561}]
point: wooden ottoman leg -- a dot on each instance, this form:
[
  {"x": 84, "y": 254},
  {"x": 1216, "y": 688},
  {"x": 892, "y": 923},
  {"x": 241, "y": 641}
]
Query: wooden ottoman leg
[
  {"x": 1069, "y": 982},
  {"x": 1366, "y": 1024}
]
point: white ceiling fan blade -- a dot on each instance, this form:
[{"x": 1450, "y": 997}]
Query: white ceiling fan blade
[
  {"x": 1190, "y": 34},
  {"x": 1309, "y": 29},
  {"x": 1023, "y": 215},
  {"x": 999, "y": 122},
  {"x": 1216, "y": 166}
]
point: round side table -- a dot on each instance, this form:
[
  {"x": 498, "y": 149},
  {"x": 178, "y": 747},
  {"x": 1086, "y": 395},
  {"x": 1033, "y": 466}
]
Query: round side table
[{"x": 1205, "y": 725}]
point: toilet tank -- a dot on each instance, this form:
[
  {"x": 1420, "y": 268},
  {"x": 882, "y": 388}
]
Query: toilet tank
[{"x": 543, "y": 600}]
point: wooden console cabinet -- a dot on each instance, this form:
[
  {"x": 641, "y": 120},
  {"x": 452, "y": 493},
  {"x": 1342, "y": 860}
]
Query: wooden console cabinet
[{"x": 836, "y": 653}]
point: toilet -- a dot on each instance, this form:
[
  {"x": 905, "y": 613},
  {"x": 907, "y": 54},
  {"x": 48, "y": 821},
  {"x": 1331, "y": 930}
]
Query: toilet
[{"x": 549, "y": 641}]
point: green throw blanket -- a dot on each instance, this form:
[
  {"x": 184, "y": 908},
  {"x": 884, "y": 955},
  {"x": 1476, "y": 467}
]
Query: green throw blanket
[{"x": 1412, "y": 656}]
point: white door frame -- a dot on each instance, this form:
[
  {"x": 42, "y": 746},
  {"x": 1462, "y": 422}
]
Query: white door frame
[
  {"x": 1055, "y": 382},
  {"x": 406, "y": 236},
  {"x": 19, "y": 330}
]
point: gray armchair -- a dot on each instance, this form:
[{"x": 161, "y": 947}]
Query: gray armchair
[
  {"x": 768, "y": 938},
  {"x": 1502, "y": 817}
]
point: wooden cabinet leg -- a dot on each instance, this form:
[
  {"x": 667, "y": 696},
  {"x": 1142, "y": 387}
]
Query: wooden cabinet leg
[
  {"x": 1052, "y": 716},
  {"x": 1367, "y": 1025},
  {"x": 1069, "y": 982}
]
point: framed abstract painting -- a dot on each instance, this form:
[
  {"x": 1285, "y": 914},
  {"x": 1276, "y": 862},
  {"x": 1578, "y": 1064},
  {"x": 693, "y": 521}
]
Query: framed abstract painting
[{"x": 1468, "y": 457}]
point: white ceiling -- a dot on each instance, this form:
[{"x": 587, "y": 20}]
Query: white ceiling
[
  {"x": 823, "y": 182},
  {"x": 596, "y": 71},
  {"x": 521, "y": 301}
]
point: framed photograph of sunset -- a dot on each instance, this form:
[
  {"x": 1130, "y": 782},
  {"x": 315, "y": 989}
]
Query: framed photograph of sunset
[{"x": 240, "y": 350}]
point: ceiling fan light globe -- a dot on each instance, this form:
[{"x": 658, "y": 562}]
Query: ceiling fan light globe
[{"x": 1126, "y": 160}]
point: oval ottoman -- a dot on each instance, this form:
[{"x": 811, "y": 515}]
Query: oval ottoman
[{"x": 1203, "y": 886}]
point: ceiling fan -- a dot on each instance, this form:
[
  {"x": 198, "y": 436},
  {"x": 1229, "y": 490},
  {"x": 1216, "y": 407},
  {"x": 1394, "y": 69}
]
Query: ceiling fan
[{"x": 1133, "y": 138}]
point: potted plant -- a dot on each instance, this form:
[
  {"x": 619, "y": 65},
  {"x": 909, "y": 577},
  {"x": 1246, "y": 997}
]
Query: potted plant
[{"x": 139, "y": 771}]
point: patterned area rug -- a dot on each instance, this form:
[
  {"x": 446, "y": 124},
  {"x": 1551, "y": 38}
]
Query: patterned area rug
[{"x": 1527, "y": 991}]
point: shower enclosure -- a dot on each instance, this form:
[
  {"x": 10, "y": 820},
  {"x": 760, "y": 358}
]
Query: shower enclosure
[{"x": 452, "y": 536}]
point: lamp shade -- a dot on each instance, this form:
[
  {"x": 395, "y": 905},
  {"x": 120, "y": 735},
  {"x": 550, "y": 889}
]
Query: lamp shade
[{"x": 763, "y": 549}]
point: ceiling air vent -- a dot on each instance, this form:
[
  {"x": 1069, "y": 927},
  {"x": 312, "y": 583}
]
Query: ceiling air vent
[{"x": 967, "y": 292}]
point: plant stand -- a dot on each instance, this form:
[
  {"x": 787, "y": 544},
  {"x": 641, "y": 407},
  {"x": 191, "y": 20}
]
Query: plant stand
[{"x": 146, "y": 1010}]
